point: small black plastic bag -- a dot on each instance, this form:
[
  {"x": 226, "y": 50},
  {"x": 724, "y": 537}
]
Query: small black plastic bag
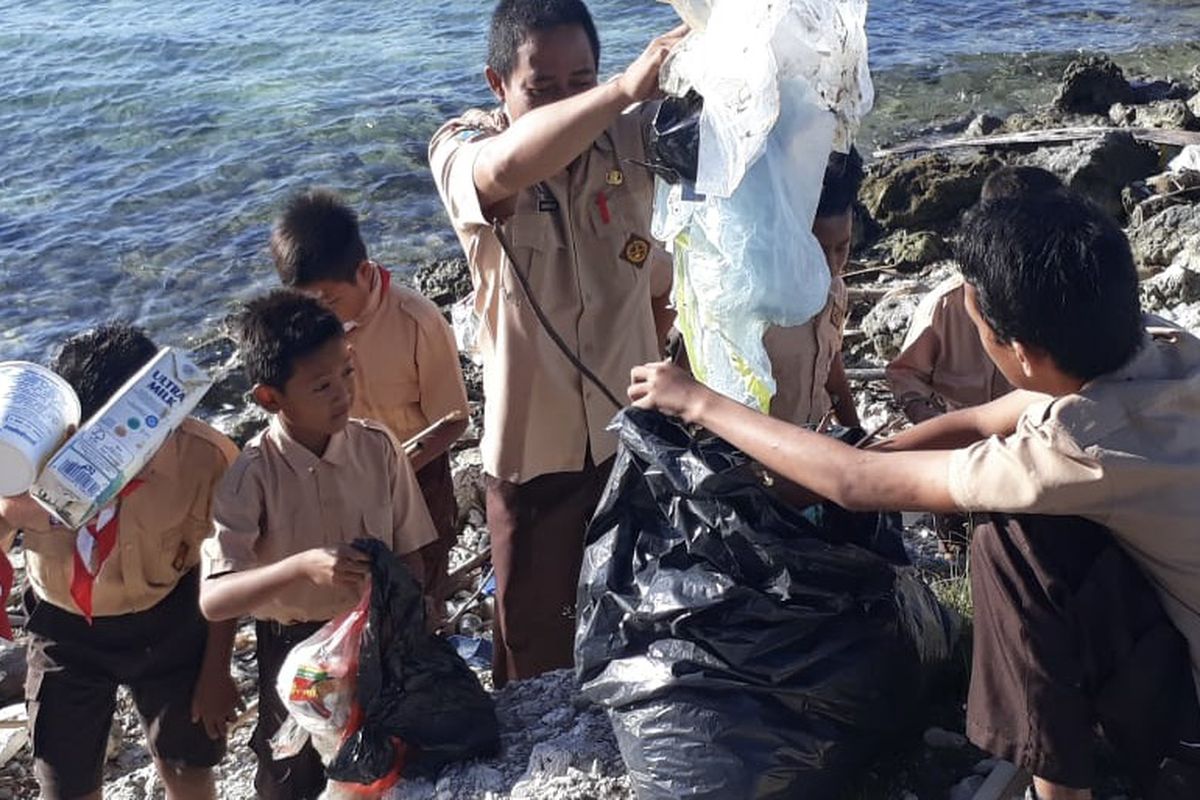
[
  {"x": 674, "y": 147},
  {"x": 421, "y": 706}
]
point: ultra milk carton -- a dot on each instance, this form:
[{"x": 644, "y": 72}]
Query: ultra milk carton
[{"x": 112, "y": 447}]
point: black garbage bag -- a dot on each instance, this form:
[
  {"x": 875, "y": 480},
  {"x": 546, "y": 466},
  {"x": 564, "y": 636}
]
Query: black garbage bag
[
  {"x": 674, "y": 142},
  {"x": 411, "y": 686},
  {"x": 743, "y": 648}
]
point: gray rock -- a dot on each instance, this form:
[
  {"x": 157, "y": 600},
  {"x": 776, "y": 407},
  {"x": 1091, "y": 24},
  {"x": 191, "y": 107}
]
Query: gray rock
[
  {"x": 1152, "y": 90},
  {"x": 912, "y": 251},
  {"x": 1169, "y": 114},
  {"x": 983, "y": 125},
  {"x": 1147, "y": 199},
  {"x": 887, "y": 323},
  {"x": 1193, "y": 104},
  {"x": 1177, "y": 284},
  {"x": 1091, "y": 85},
  {"x": 924, "y": 192},
  {"x": 940, "y": 739},
  {"x": 444, "y": 281},
  {"x": 966, "y": 788},
  {"x": 1164, "y": 236},
  {"x": 1044, "y": 118},
  {"x": 468, "y": 491},
  {"x": 985, "y": 766},
  {"x": 1100, "y": 168}
]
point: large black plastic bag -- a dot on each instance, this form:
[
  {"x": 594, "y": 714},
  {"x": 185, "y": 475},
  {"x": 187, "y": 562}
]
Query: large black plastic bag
[
  {"x": 742, "y": 650},
  {"x": 411, "y": 686}
]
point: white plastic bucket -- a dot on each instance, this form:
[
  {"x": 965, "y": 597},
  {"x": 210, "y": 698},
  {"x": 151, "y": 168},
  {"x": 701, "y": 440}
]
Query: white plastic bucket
[{"x": 37, "y": 408}]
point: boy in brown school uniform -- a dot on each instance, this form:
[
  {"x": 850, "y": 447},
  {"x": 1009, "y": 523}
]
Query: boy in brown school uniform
[
  {"x": 133, "y": 619},
  {"x": 301, "y": 491},
  {"x": 407, "y": 373},
  {"x": 806, "y": 360},
  {"x": 942, "y": 366},
  {"x": 1077, "y": 616},
  {"x": 555, "y": 168}
]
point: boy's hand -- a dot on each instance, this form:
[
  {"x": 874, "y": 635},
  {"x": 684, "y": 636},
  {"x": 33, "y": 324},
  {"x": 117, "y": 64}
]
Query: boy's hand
[
  {"x": 21, "y": 512},
  {"x": 640, "y": 80},
  {"x": 215, "y": 700},
  {"x": 667, "y": 388},
  {"x": 336, "y": 566}
]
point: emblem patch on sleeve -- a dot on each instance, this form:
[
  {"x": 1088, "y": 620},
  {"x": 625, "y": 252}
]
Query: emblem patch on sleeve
[{"x": 636, "y": 251}]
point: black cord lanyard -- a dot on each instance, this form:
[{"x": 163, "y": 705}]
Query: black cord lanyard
[{"x": 545, "y": 322}]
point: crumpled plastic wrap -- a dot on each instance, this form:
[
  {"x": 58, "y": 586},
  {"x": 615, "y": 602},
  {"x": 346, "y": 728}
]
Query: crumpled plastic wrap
[
  {"x": 784, "y": 84},
  {"x": 381, "y": 697},
  {"x": 742, "y": 647}
]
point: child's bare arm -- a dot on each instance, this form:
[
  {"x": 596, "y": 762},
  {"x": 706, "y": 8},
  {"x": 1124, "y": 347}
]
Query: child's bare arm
[
  {"x": 855, "y": 479},
  {"x": 21, "y": 512},
  {"x": 966, "y": 426},
  {"x": 234, "y": 594},
  {"x": 436, "y": 444},
  {"x": 910, "y": 376}
]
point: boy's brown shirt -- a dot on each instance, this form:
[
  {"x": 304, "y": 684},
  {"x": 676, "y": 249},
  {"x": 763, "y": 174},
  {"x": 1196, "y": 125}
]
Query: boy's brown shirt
[
  {"x": 407, "y": 374},
  {"x": 161, "y": 525},
  {"x": 583, "y": 240},
  {"x": 942, "y": 358},
  {"x": 1124, "y": 452},
  {"x": 801, "y": 357},
  {"x": 279, "y": 499}
]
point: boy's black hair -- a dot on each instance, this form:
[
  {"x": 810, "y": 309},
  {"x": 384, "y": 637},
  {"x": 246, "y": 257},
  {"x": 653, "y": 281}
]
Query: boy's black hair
[
  {"x": 1055, "y": 272},
  {"x": 277, "y": 329},
  {"x": 514, "y": 20},
  {"x": 1020, "y": 182},
  {"x": 843, "y": 176},
  {"x": 97, "y": 362},
  {"x": 317, "y": 239}
]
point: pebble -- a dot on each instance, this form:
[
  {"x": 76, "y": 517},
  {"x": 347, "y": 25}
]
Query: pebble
[
  {"x": 966, "y": 788},
  {"x": 940, "y": 739},
  {"x": 985, "y": 766}
]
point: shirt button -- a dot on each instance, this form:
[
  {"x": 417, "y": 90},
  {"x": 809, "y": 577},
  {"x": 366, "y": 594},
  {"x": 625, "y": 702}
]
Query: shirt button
[{"x": 312, "y": 470}]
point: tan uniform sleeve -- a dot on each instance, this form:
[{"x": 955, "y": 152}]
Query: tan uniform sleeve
[
  {"x": 237, "y": 514},
  {"x": 209, "y": 461},
  {"x": 412, "y": 527},
  {"x": 910, "y": 375},
  {"x": 452, "y": 154},
  {"x": 1036, "y": 470},
  {"x": 438, "y": 371}
]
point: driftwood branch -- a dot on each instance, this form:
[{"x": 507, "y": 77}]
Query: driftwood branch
[
  {"x": 1040, "y": 137},
  {"x": 866, "y": 375}
]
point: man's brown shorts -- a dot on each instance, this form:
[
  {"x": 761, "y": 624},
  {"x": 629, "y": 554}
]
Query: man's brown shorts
[{"x": 74, "y": 672}]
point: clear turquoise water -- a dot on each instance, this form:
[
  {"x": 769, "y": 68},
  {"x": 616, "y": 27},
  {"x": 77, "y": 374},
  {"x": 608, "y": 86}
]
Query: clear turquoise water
[{"x": 145, "y": 145}]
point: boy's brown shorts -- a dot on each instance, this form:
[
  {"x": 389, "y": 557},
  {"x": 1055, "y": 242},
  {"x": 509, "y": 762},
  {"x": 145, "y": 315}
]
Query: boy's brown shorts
[{"x": 74, "y": 672}]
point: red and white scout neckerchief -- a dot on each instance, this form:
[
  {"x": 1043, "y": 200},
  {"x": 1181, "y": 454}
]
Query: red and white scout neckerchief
[
  {"x": 94, "y": 543},
  {"x": 6, "y": 581},
  {"x": 385, "y": 283}
]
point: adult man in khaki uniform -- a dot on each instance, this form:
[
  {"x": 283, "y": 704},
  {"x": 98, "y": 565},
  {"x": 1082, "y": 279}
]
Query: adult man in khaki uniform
[{"x": 556, "y": 170}]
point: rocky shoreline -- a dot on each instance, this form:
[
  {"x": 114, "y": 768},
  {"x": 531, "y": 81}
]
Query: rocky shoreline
[{"x": 558, "y": 746}]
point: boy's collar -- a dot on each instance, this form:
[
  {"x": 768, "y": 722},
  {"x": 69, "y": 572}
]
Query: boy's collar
[
  {"x": 381, "y": 282},
  {"x": 299, "y": 457},
  {"x": 1144, "y": 363}
]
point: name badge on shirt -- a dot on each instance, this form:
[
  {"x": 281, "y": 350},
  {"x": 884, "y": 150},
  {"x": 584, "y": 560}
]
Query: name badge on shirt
[{"x": 546, "y": 203}]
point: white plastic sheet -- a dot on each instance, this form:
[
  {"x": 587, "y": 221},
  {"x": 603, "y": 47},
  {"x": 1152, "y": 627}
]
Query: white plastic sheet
[{"x": 785, "y": 82}]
